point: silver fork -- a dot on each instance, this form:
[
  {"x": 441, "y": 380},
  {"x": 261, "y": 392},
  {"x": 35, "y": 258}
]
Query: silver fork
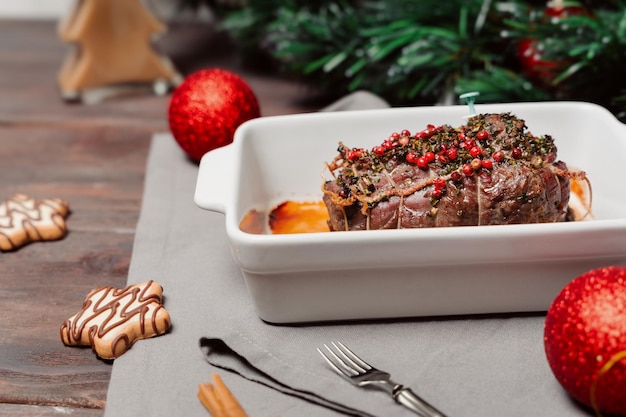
[{"x": 343, "y": 361}]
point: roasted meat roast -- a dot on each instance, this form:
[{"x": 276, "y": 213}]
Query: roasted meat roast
[{"x": 490, "y": 171}]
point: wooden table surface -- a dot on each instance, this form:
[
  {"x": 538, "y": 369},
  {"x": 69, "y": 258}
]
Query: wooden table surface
[{"x": 93, "y": 156}]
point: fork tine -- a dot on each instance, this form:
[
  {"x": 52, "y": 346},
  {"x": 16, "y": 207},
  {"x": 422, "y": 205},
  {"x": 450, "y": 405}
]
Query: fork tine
[
  {"x": 352, "y": 357},
  {"x": 344, "y": 371},
  {"x": 344, "y": 360}
]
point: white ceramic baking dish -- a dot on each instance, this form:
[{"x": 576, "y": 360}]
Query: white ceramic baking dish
[{"x": 417, "y": 272}]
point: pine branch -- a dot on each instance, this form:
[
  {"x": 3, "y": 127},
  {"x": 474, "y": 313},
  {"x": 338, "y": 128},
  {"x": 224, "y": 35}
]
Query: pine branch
[
  {"x": 415, "y": 52},
  {"x": 589, "y": 49}
]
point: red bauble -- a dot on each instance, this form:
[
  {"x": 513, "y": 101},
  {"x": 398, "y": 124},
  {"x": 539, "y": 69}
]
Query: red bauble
[
  {"x": 558, "y": 10},
  {"x": 585, "y": 339},
  {"x": 534, "y": 66},
  {"x": 207, "y": 108},
  {"x": 530, "y": 51}
]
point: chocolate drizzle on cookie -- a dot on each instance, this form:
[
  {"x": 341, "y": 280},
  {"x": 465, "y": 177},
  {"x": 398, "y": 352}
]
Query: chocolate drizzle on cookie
[
  {"x": 24, "y": 219},
  {"x": 112, "y": 319}
]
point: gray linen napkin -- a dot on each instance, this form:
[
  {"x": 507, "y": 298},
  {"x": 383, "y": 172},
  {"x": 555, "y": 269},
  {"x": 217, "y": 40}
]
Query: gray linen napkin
[{"x": 465, "y": 366}]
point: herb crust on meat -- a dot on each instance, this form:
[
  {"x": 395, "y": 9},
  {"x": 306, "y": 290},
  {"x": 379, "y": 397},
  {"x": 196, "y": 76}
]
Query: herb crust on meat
[{"x": 489, "y": 171}]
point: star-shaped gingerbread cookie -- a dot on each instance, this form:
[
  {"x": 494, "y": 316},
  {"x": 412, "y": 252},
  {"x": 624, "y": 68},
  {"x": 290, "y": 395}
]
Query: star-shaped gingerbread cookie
[
  {"x": 25, "y": 219},
  {"x": 113, "y": 319}
]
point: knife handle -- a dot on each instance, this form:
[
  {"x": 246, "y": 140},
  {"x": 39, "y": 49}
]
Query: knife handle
[{"x": 410, "y": 400}]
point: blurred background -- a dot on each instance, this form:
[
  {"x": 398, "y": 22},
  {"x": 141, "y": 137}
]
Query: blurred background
[
  {"x": 34, "y": 9},
  {"x": 55, "y": 9},
  {"x": 408, "y": 52}
]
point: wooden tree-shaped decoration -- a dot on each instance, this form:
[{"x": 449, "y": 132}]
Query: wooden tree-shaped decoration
[{"x": 112, "y": 46}]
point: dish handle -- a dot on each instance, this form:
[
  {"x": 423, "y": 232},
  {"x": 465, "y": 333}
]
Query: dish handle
[{"x": 214, "y": 185}]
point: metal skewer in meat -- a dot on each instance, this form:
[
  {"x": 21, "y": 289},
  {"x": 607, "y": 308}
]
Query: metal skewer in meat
[{"x": 491, "y": 171}]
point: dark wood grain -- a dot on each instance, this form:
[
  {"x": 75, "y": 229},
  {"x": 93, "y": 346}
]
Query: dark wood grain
[{"x": 94, "y": 157}]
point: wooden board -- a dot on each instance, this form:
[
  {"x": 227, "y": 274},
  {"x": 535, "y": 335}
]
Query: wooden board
[{"x": 94, "y": 157}]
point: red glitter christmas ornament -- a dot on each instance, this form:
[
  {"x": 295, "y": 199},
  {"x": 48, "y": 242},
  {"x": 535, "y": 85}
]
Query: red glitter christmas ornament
[
  {"x": 534, "y": 66},
  {"x": 585, "y": 339},
  {"x": 207, "y": 108},
  {"x": 531, "y": 52}
]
